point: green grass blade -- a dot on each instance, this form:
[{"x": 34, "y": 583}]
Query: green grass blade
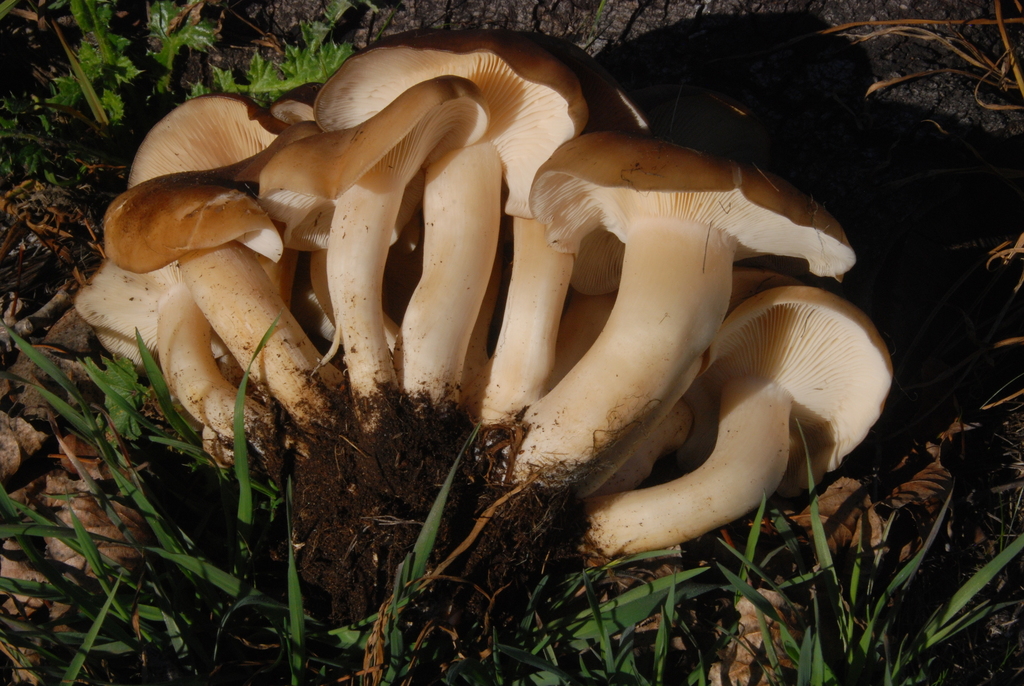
[
  {"x": 631, "y": 607},
  {"x": 244, "y": 511},
  {"x": 528, "y": 658},
  {"x": 71, "y": 674},
  {"x": 296, "y": 618},
  {"x": 163, "y": 395},
  {"x": 82, "y": 421},
  {"x": 49, "y": 368},
  {"x": 755, "y": 535},
  {"x": 6, "y": 6},
  {"x": 84, "y": 83},
  {"x": 942, "y": 623},
  {"x": 428, "y": 534},
  {"x": 748, "y": 592},
  {"x": 662, "y": 640},
  {"x": 604, "y": 640}
]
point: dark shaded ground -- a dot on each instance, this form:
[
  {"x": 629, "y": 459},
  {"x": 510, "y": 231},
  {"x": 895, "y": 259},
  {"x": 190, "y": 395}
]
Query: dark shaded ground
[{"x": 923, "y": 177}]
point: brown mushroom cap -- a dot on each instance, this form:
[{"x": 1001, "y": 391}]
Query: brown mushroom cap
[
  {"x": 297, "y": 104},
  {"x": 705, "y": 120},
  {"x": 158, "y": 221}
]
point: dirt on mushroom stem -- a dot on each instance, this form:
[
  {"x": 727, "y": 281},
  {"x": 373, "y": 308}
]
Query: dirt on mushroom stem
[{"x": 359, "y": 498}]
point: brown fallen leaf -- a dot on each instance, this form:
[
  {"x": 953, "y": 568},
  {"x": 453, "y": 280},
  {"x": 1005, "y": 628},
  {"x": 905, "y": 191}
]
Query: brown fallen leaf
[
  {"x": 914, "y": 505},
  {"x": 745, "y": 661},
  {"x": 840, "y": 508},
  {"x": 18, "y": 441},
  {"x": 68, "y": 497}
]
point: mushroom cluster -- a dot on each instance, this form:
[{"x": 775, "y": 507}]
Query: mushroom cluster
[{"x": 482, "y": 220}]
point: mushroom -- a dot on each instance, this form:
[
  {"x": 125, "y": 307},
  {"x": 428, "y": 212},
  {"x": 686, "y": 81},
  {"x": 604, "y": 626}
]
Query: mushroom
[
  {"x": 535, "y": 105},
  {"x": 684, "y": 217},
  {"x": 802, "y": 375},
  {"x": 203, "y": 226},
  {"x": 117, "y": 303},
  {"x": 746, "y": 283},
  {"x": 696, "y": 413},
  {"x": 364, "y": 171}
]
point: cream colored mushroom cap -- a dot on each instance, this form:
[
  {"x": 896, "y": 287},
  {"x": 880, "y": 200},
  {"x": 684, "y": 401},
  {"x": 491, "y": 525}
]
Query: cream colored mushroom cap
[
  {"x": 207, "y": 132},
  {"x": 534, "y": 100},
  {"x": 298, "y": 184},
  {"x": 825, "y": 352},
  {"x": 607, "y": 179},
  {"x": 116, "y": 302}
]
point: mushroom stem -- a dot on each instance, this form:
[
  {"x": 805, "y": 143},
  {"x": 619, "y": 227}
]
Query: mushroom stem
[
  {"x": 747, "y": 465},
  {"x": 462, "y": 218},
  {"x": 518, "y": 372},
  {"x": 237, "y": 297},
  {"x": 673, "y": 296},
  {"x": 193, "y": 376},
  {"x": 653, "y": 443},
  {"x": 356, "y": 252}
]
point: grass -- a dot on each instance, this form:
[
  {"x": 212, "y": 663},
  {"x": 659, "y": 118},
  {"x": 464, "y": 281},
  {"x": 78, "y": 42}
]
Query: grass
[{"x": 208, "y": 604}]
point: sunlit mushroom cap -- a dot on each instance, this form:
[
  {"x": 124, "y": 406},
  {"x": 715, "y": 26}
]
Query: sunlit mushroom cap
[
  {"x": 207, "y": 132},
  {"x": 534, "y": 100},
  {"x": 825, "y": 352},
  {"x": 299, "y": 183},
  {"x": 160, "y": 220},
  {"x": 610, "y": 107},
  {"x": 608, "y": 179}
]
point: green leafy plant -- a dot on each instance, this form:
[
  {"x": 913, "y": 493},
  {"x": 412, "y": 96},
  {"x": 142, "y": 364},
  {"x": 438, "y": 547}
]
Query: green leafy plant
[{"x": 313, "y": 62}]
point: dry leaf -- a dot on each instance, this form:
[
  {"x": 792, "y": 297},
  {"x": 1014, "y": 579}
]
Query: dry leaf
[
  {"x": 917, "y": 503},
  {"x": 67, "y": 496},
  {"x": 14, "y": 565},
  {"x": 840, "y": 508},
  {"x": 745, "y": 662},
  {"x": 18, "y": 441}
]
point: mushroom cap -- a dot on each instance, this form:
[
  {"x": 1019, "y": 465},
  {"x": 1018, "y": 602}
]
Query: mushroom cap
[
  {"x": 303, "y": 177},
  {"x": 825, "y": 352},
  {"x": 207, "y": 132},
  {"x": 116, "y": 302},
  {"x": 535, "y": 101},
  {"x": 604, "y": 179},
  {"x": 297, "y": 104},
  {"x": 156, "y": 222},
  {"x": 610, "y": 107}
]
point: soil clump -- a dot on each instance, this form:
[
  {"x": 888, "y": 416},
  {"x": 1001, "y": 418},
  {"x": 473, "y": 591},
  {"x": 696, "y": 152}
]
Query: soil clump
[{"x": 362, "y": 490}]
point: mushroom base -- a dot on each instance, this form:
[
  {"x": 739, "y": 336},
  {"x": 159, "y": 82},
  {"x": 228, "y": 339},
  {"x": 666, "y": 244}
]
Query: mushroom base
[{"x": 359, "y": 498}]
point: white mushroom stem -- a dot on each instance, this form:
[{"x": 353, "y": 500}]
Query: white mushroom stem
[
  {"x": 676, "y": 278},
  {"x": 518, "y": 372},
  {"x": 581, "y": 324},
  {"x": 462, "y": 218},
  {"x": 660, "y": 440},
  {"x": 322, "y": 293},
  {"x": 747, "y": 465},
  {"x": 192, "y": 373},
  {"x": 356, "y": 253},
  {"x": 238, "y": 299}
]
